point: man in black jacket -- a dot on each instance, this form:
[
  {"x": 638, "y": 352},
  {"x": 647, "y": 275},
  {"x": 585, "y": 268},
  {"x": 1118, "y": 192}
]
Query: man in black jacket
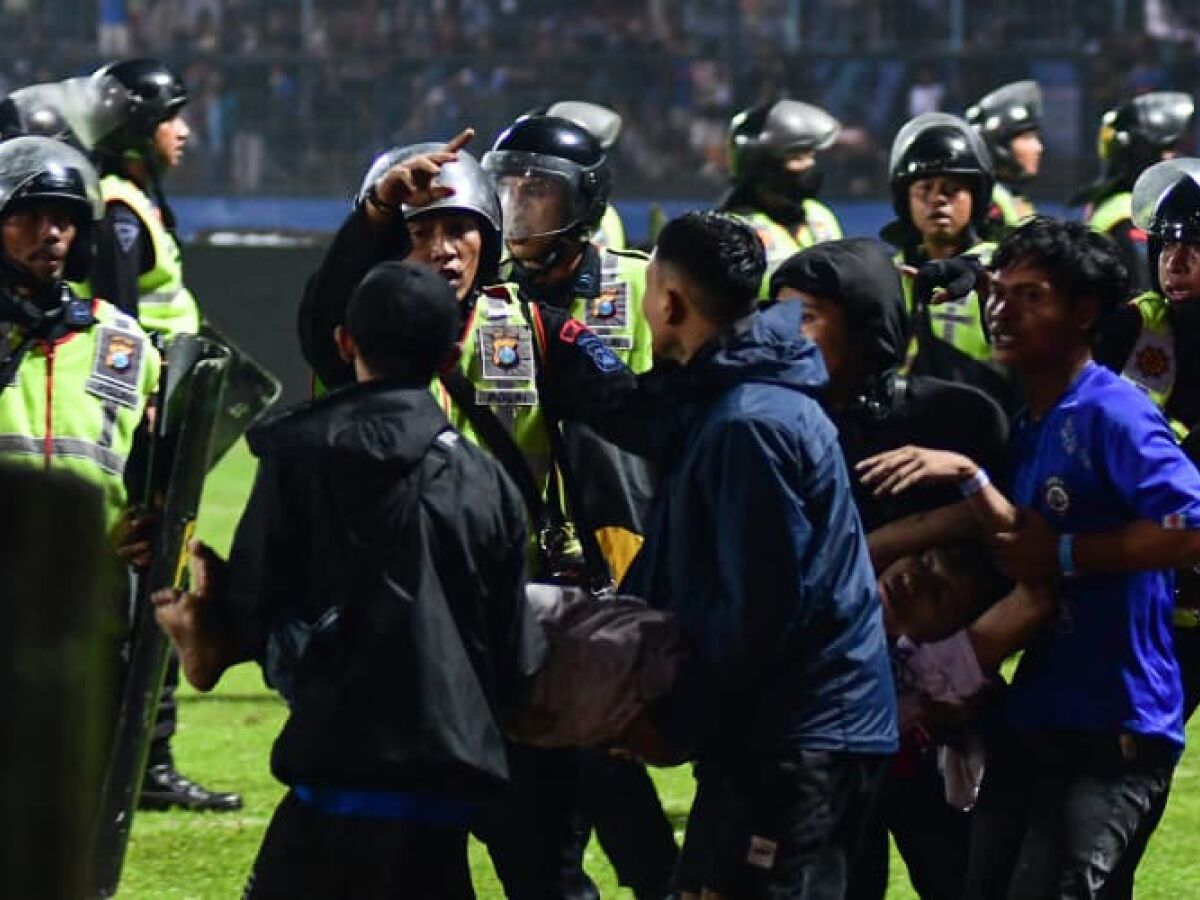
[{"x": 377, "y": 578}]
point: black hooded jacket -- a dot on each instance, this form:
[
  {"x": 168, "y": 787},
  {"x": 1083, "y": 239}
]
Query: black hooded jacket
[
  {"x": 377, "y": 576},
  {"x": 889, "y": 411}
]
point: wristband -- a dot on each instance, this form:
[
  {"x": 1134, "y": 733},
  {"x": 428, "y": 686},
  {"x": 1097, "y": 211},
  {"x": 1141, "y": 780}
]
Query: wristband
[
  {"x": 372, "y": 197},
  {"x": 1066, "y": 555},
  {"x": 971, "y": 486}
]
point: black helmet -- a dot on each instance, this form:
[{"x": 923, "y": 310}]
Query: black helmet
[
  {"x": 38, "y": 168},
  {"x": 147, "y": 94},
  {"x": 565, "y": 158},
  {"x": 1006, "y": 113},
  {"x": 32, "y": 110},
  {"x": 602, "y": 123},
  {"x": 940, "y": 144},
  {"x": 1134, "y": 135},
  {"x": 1166, "y": 205},
  {"x": 76, "y": 110},
  {"x": 763, "y": 136},
  {"x": 473, "y": 193}
]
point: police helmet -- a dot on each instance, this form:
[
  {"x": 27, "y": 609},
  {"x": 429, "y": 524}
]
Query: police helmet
[
  {"x": 602, "y": 123},
  {"x": 32, "y": 110},
  {"x": 34, "y": 169},
  {"x": 1134, "y": 135},
  {"x": 1007, "y": 112},
  {"x": 552, "y": 176},
  {"x": 1166, "y": 205},
  {"x": 940, "y": 144},
  {"x": 473, "y": 193},
  {"x": 147, "y": 93},
  {"x": 762, "y": 137}
]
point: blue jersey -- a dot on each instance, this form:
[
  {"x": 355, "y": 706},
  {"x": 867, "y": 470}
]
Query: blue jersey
[{"x": 1103, "y": 457}]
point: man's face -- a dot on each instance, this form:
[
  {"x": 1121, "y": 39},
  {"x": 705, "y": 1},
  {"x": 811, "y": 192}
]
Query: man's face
[
  {"x": 38, "y": 238},
  {"x": 1032, "y": 322},
  {"x": 824, "y": 323},
  {"x": 1179, "y": 271},
  {"x": 535, "y": 211},
  {"x": 170, "y": 139},
  {"x": 800, "y": 161},
  {"x": 450, "y": 242},
  {"x": 940, "y": 207},
  {"x": 927, "y": 597},
  {"x": 1027, "y": 152}
]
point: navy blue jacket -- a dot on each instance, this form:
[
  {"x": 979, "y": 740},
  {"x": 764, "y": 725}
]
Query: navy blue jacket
[{"x": 755, "y": 543}]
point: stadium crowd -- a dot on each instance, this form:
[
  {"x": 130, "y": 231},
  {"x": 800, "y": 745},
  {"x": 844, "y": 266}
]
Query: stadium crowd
[{"x": 770, "y": 500}]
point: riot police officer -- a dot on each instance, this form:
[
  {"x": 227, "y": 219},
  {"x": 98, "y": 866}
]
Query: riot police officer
[
  {"x": 1133, "y": 136},
  {"x": 941, "y": 178},
  {"x": 775, "y": 176},
  {"x": 139, "y": 265},
  {"x": 1009, "y": 120}
]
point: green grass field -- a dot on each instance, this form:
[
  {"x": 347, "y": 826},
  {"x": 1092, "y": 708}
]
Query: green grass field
[{"x": 225, "y": 738}]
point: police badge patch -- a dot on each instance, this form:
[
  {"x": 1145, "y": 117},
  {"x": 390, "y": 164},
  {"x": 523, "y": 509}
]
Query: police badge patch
[
  {"x": 1056, "y": 496},
  {"x": 117, "y": 367},
  {"x": 609, "y": 308},
  {"x": 506, "y": 352}
]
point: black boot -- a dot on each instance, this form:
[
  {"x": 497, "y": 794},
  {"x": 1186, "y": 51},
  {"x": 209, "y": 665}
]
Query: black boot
[{"x": 165, "y": 788}]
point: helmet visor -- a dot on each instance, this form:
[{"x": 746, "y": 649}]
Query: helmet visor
[{"x": 538, "y": 193}]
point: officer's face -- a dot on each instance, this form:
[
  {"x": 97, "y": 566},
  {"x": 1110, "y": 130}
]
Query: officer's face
[
  {"x": 1179, "y": 271},
  {"x": 940, "y": 207},
  {"x": 1034, "y": 325},
  {"x": 450, "y": 242},
  {"x": 1027, "y": 152},
  {"x": 170, "y": 139},
  {"x": 38, "y": 238},
  {"x": 824, "y": 323},
  {"x": 535, "y": 211}
]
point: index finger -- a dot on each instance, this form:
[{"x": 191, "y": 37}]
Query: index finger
[
  {"x": 459, "y": 141},
  {"x": 910, "y": 271}
]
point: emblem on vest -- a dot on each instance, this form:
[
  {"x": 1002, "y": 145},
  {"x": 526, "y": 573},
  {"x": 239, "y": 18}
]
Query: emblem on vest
[
  {"x": 506, "y": 357},
  {"x": 116, "y": 367},
  {"x": 1056, "y": 496},
  {"x": 1152, "y": 361}
]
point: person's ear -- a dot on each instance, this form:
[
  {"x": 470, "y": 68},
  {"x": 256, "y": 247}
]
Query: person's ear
[
  {"x": 676, "y": 305},
  {"x": 1087, "y": 313},
  {"x": 346, "y": 347}
]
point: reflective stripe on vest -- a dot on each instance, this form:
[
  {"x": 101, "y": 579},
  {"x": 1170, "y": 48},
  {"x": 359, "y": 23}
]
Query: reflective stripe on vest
[
  {"x": 1152, "y": 363},
  {"x": 615, "y": 313},
  {"x": 1111, "y": 212},
  {"x": 75, "y": 405},
  {"x": 958, "y": 323},
  {"x": 165, "y": 305}
]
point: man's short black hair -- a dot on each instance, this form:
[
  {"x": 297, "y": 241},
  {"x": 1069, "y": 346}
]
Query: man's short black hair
[
  {"x": 404, "y": 319},
  {"x": 1078, "y": 261},
  {"x": 722, "y": 256}
]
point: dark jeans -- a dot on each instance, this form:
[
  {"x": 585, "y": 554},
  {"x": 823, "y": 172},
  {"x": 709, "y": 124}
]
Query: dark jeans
[
  {"x": 783, "y": 829},
  {"x": 1058, "y": 812},
  {"x": 630, "y": 824},
  {"x": 307, "y": 853},
  {"x": 1187, "y": 649},
  {"x": 535, "y": 830},
  {"x": 165, "y": 716},
  {"x": 931, "y": 835}
]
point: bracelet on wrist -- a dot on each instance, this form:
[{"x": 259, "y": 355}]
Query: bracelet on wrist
[
  {"x": 1066, "y": 556},
  {"x": 976, "y": 483},
  {"x": 372, "y": 196}
]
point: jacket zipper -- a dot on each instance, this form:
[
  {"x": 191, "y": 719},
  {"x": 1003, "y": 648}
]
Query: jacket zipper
[{"x": 48, "y": 440}]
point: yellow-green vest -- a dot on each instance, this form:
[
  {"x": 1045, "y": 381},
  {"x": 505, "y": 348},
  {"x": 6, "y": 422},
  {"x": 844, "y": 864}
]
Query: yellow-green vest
[
  {"x": 615, "y": 313},
  {"x": 1111, "y": 212},
  {"x": 74, "y": 405},
  {"x": 820, "y": 225},
  {"x": 611, "y": 233},
  {"x": 1013, "y": 209},
  {"x": 1152, "y": 364},
  {"x": 957, "y": 322},
  {"x": 165, "y": 305}
]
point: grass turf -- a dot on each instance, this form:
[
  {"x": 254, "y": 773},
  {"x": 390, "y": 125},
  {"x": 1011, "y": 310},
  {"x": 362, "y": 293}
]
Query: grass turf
[{"x": 224, "y": 741}]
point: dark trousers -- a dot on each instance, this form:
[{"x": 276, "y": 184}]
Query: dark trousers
[
  {"x": 165, "y": 716},
  {"x": 623, "y": 805},
  {"x": 783, "y": 829},
  {"x": 932, "y": 836},
  {"x": 1187, "y": 650},
  {"x": 1057, "y": 813},
  {"x": 535, "y": 830},
  {"x": 306, "y": 853}
]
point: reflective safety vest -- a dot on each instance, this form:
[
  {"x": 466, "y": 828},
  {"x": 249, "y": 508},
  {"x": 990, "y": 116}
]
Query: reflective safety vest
[
  {"x": 74, "y": 404},
  {"x": 1013, "y": 208},
  {"x": 615, "y": 313},
  {"x": 165, "y": 305},
  {"x": 820, "y": 225},
  {"x": 957, "y": 322},
  {"x": 611, "y": 233},
  {"x": 497, "y": 357},
  {"x": 1152, "y": 362},
  {"x": 1111, "y": 212}
]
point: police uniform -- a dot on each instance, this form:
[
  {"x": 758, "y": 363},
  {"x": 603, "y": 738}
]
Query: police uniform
[
  {"x": 1009, "y": 209},
  {"x": 611, "y": 233},
  {"x": 820, "y": 224}
]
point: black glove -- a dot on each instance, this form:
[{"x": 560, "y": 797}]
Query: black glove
[{"x": 956, "y": 276}]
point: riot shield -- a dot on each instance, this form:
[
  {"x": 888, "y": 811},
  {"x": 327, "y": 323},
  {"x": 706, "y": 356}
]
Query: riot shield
[
  {"x": 190, "y": 407},
  {"x": 59, "y": 655},
  {"x": 250, "y": 391}
]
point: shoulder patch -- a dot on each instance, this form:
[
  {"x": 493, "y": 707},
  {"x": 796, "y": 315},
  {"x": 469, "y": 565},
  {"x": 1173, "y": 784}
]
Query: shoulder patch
[
  {"x": 570, "y": 331},
  {"x": 598, "y": 352}
]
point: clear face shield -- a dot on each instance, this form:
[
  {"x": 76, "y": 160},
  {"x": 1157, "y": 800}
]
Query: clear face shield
[{"x": 538, "y": 193}]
